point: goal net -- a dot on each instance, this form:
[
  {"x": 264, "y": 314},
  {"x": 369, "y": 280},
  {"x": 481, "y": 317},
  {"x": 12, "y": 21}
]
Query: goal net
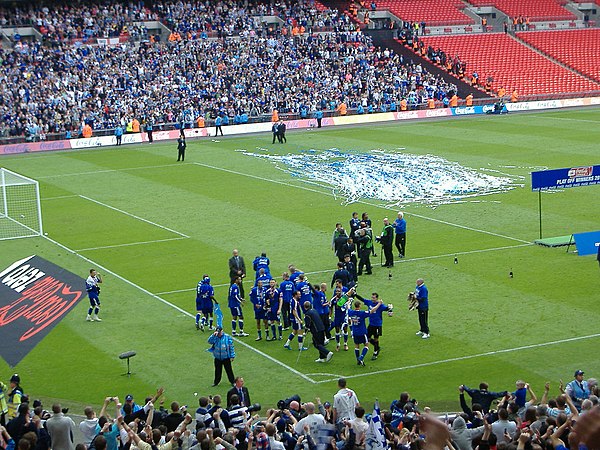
[{"x": 20, "y": 211}]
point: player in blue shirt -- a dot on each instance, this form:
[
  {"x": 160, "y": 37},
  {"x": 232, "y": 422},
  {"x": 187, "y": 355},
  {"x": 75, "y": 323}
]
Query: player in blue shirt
[
  {"x": 286, "y": 290},
  {"x": 375, "y": 329},
  {"x": 296, "y": 322},
  {"x": 305, "y": 289},
  {"x": 92, "y": 286},
  {"x": 340, "y": 302},
  {"x": 264, "y": 277},
  {"x": 423, "y": 297},
  {"x": 274, "y": 305},
  {"x": 294, "y": 273},
  {"x": 235, "y": 306},
  {"x": 257, "y": 297},
  {"x": 205, "y": 296},
  {"x": 358, "y": 319},
  {"x": 261, "y": 262},
  {"x": 321, "y": 305}
]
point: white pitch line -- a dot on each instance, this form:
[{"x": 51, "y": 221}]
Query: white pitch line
[
  {"x": 183, "y": 311},
  {"x": 60, "y": 197},
  {"x": 452, "y": 224},
  {"x": 397, "y": 261},
  {"x": 462, "y": 358},
  {"x": 93, "y": 172},
  {"x": 130, "y": 244},
  {"x": 134, "y": 216}
]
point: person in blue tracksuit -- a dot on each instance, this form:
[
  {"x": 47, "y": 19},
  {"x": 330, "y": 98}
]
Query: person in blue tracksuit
[{"x": 223, "y": 352}]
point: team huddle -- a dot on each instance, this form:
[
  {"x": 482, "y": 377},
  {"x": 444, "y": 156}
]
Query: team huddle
[{"x": 300, "y": 307}]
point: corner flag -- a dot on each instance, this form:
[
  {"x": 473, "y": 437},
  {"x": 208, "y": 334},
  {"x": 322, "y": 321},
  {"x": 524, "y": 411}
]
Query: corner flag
[{"x": 375, "y": 439}]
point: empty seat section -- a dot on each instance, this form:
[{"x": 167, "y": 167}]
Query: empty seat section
[
  {"x": 510, "y": 64},
  {"x": 574, "y": 48},
  {"x": 432, "y": 12},
  {"x": 536, "y": 10}
]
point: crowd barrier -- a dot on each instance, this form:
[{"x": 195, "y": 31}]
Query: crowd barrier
[{"x": 138, "y": 138}]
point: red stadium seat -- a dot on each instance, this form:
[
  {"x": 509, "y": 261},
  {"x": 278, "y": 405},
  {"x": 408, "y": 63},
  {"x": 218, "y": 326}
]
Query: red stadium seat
[
  {"x": 538, "y": 10},
  {"x": 512, "y": 64},
  {"x": 570, "y": 47},
  {"x": 432, "y": 12}
]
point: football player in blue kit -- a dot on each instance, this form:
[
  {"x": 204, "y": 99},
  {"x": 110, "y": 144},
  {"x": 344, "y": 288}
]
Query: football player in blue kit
[
  {"x": 375, "y": 329},
  {"x": 234, "y": 301},
  {"x": 257, "y": 297},
  {"x": 339, "y": 302},
  {"x": 358, "y": 318},
  {"x": 205, "y": 296},
  {"x": 296, "y": 322},
  {"x": 286, "y": 290},
  {"x": 274, "y": 304}
]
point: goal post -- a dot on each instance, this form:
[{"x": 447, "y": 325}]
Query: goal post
[{"x": 20, "y": 207}]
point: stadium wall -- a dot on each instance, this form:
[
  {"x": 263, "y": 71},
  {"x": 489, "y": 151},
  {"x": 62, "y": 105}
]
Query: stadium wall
[{"x": 138, "y": 138}]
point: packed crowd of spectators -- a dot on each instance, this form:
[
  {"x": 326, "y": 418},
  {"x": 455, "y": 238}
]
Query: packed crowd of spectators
[
  {"x": 492, "y": 420},
  {"x": 67, "y": 21},
  {"x": 200, "y": 19},
  {"x": 58, "y": 90}
]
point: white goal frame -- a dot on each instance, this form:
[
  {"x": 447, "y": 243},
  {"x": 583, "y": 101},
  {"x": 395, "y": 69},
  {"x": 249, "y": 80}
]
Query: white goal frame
[{"x": 20, "y": 206}]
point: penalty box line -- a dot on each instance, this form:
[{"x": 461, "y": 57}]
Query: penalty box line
[
  {"x": 465, "y": 357},
  {"x": 396, "y": 261},
  {"x": 374, "y": 205},
  {"x": 177, "y": 308}
]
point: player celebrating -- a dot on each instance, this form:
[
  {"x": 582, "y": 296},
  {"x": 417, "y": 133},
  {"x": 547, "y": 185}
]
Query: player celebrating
[
  {"x": 93, "y": 289},
  {"x": 340, "y": 303},
  {"x": 374, "y": 331},
  {"x": 257, "y": 297},
  {"x": 205, "y": 296},
  {"x": 235, "y": 306},
  {"x": 296, "y": 322},
  {"x": 359, "y": 330},
  {"x": 274, "y": 304}
]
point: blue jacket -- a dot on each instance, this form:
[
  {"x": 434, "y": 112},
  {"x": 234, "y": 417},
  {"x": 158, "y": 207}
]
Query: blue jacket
[
  {"x": 400, "y": 226},
  {"x": 222, "y": 347},
  {"x": 423, "y": 296}
]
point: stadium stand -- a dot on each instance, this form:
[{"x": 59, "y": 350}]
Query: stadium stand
[
  {"x": 510, "y": 64},
  {"x": 538, "y": 10},
  {"x": 180, "y": 81},
  {"x": 307, "y": 71},
  {"x": 570, "y": 47},
  {"x": 432, "y": 12}
]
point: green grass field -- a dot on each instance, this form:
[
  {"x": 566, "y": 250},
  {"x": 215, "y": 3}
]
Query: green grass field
[{"x": 153, "y": 226}]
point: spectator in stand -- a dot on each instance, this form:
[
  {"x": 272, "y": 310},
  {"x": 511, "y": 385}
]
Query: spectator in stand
[
  {"x": 241, "y": 391},
  {"x": 21, "y": 424},
  {"x": 462, "y": 436},
  {"x": 61, "y": 429},
  {"x": 503, "y": 428},
  {"x": 345, "y": 402}
]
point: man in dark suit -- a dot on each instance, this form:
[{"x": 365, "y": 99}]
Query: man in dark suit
[
  {"x": 314, "y": 323},
  {"x": 237, "y": 268},
  {"x": 241, "y": 391}
]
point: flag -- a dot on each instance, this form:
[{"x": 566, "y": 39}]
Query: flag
[
  {"x": 219, "y": 315},
  {"x": 375, "y": 439}
]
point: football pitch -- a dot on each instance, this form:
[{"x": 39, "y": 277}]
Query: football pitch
[{"x": 153, "y": 226}]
